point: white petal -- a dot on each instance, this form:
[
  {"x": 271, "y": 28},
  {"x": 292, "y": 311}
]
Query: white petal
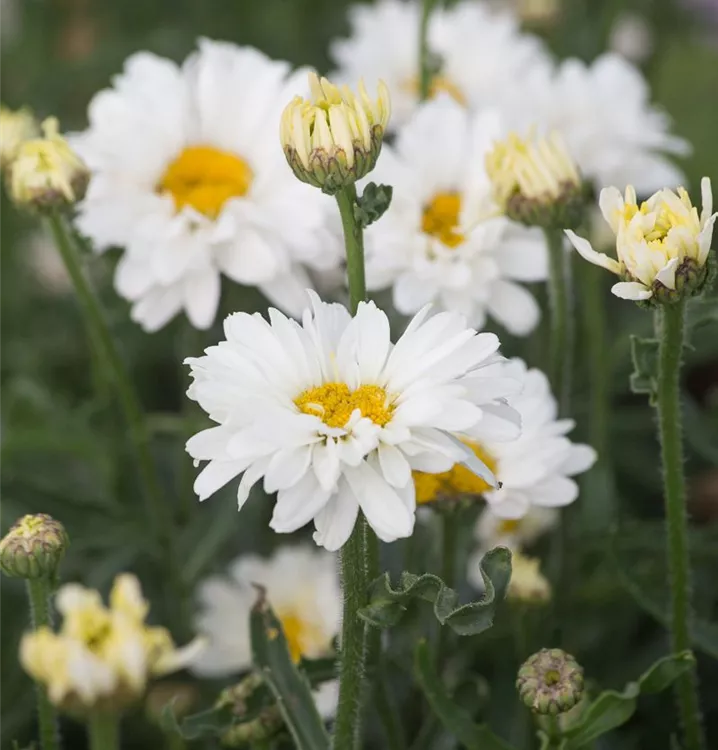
[
  {"x": 704, "y": 239},
  {"x": 249, "y": 479},
  {"x": 287, "y": 467},
  {"x": 335, "y": 522},
  {"x": 249, "y": 260},
  {"x": 473, "y": 463},
  {"x": 201, "y": 296},
  {"x": 394, "y": 466},
  {"x": 706, "y": 200},
  {"x": 514, "y": 307},
  {"x": 631, "y": 290},
  {"x": 581, "y": 458},
  {"x": 288, "y": 291},
  {"x": 554, "y": 493},
  {"x": 326, "y": 465},
  {"x": 298, "y": 505},
  {"x": 667, "y": 274},
  {"x": 588, "y": 253},
  {"x": 611, "y": 204},
  {"x": 215, "y": 475}
]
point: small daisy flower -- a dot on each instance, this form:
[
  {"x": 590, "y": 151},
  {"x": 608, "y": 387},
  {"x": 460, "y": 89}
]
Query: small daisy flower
[
  {"x": 187, "y": 176},
  {"x": 334, "y": 416},
  {"x": 302, "y": 587},
  {"x": 515, "y": 533},
  {"x": 534, "y": 470},
  {"x": 481, "y": 52},
  {"x": 443, "y": 240}
]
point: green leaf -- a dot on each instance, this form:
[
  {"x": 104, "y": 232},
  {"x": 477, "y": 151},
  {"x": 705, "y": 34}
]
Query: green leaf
[
  {"x": 387, "y": 605},
  {"x": 289, "y": 686},
  {"x": 372, "y": 204},
  {"x": 455, "y": 719},
  {"x": 644, "y": 378},
  {"x": 612, "y": 709},
  {"x": 211, "y": 723}
]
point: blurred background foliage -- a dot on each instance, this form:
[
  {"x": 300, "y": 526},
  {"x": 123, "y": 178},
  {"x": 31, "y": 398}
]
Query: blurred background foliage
[{"x": 64, "y": 450}]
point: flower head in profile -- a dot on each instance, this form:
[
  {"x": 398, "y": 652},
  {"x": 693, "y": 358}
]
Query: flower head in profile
[
  {"x": 16, "y": 127},
  {"x": 301, "y": 586},
  {"x": 535, "y": 181},
  {"x": 102, "y": 657},
  {"x": 334, "y": 416},
  {"x": 46, "y": 173},
  {"x": 334, "y": 138},
  {"x": 188, "y": 179},
  {"x": 662, "y": 244}
]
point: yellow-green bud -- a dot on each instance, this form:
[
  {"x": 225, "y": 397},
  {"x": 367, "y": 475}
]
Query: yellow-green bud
[
  {"x": 34, "y": 547},
  {"x": 334, "y": 139},
  {"x": 16, "y": 127},
  {"x": 550, "y": 682}
]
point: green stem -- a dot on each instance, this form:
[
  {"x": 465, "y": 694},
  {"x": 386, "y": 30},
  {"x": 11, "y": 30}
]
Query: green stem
[
  {"x": 671, "y": 324},
  {"x": 561, "y": 343},
  {"x": 354, "y": 244},
  {"x": 38, "y": 592},
  {"x": 103, "y": 731},
  {"x": 425, "y": 66}
]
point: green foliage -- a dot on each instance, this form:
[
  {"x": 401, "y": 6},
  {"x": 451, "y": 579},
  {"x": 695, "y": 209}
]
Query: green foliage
[
  {"x": 372, "y": 204},
  {"x": 213, "y": 722},
  {"x": 644, "y": 379}
]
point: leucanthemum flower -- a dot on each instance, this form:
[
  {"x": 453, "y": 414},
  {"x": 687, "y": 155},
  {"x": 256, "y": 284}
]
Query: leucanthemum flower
[
  {"x": 442, "y": 239},
  {"x": 334, "y": 416},
  {"x": 302, "y": 587},
  {"x": 534, "y": 470},
  {"x": 515, "y": 533},
  {"x": 188, "y": 178},
  {"x": 662, "y": 243},
  {"x": 102, "y": 657},
  {"x": 482, "y": 53}
]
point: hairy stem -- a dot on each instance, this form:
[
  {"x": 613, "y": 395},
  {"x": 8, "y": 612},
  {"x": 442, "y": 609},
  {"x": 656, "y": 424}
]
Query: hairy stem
[{"x": 103, "y": 731}]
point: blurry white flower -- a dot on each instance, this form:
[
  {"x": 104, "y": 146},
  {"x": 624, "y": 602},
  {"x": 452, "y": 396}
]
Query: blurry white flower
[
  {"x": 188, "y": 177},
  {"x": 514, "y": 533},
  {"x": 16, "y": 127},
  {"x": 631, "y": 36},
  {"x": 302, "y": 587},
  {"x": 482, "y": 53},
  {"x": 535, "y": 469},
  {"x": 662, "y": 244},
  {"x": 101, "y": 656},
  {"x": 442, "y": 239},
  {"x": 334, "y": 416}
]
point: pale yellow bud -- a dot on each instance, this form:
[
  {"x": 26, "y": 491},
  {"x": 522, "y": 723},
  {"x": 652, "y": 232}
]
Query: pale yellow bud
[
  {"x": 16, "y": 127},
  {"x": 46, "y": 173},
  {"x": 528, "y": 584},
  {"x": 334, "y": 138}
]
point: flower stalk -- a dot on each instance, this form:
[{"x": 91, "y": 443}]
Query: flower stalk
[
  {"x": 670, "y": 325},
  {"x": 103, "y": 731}
]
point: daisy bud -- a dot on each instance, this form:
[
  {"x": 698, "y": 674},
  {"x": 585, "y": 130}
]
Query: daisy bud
[
  {"x": 536, "y": 182},
  {"x": 662, "y": 244},
  {"x": 334, "y": 139},
  {"x": 34, "y": 547},
  {"x": 16, "y": 127},
  {"x": 46, "y": 173},
  {"x": 550, "y": 681},
  {"x": 528, "y": 584}
]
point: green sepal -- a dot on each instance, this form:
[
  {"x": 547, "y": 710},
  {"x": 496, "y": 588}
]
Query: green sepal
[
  {"x": 387, "y": 605},
  {"x": 611, "y": 709},
  {"x": 289, "y": 686},
  {"x": 454, "y": 718},
  {"x": 644, "y": 378},
  {"x": 372, "y": 204}
]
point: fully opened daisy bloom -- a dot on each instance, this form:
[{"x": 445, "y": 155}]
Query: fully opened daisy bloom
[
  {"x": 442, "y": 239},
  {"x": 534, "y": 470},
  {"x": 334, "y": 416},
  {"x": 188, "y": 178},
  {"x": 662, "y": 244},
  {"x": 482, "y": 52},
  {"x": 102, "y": 657},
  {"x": 302, "y": 587}
]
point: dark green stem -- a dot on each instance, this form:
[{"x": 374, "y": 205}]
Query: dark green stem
[
  {"x": 671, "y": 326},
  {"x": 103, "y": 731},
  {"x": 38, "y": 592},
  {"x": 425, "y": 62},
  {"x": 561, "y": 343}
]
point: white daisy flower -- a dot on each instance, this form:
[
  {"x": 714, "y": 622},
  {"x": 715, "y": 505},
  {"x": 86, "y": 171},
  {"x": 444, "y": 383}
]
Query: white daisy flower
[
  {"x": 302, "y": 587},
  {"x": 334, "y": 416},
  {"x": 604, "y": 113},
  {"x": 482, "y": 52},
  {"x": 515, "y": 533},
  {"x": 534, "y": 470},
  {"x": 442, "y": 239},
  {"x": 188, "y": 176}
]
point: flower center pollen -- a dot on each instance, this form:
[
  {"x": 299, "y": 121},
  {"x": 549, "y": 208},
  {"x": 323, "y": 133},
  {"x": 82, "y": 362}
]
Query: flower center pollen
[
  {"x": 303, "y": 638},
  {"x": 206, "y": 178},
  {"x": 455, "y": 482},
  {"x": 334, "y": 403},
  {"x": 441, "y": 219}
]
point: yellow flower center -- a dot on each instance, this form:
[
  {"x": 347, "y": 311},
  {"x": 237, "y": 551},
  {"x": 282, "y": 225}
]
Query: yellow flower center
[
  {"x": 667, "y": 218},
  {"x": 303, "y": 638},
  {"x": 457, "y": 481},
  {"x": 334, "y": 403},
  {"x": 441, "y": 219},
  {"x": 206, "y": 178},
  {"x": 439, "y": 85}
]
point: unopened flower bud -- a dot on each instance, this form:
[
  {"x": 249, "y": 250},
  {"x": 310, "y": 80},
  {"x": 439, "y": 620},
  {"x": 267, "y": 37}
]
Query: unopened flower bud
[
  {"x": 550, "y": 682},
  {"x": 536, "y": 182},
  {"x": 46, "y": 173},
  {"x": 16, "y": 127},
  {"x": 334, "y": 139},
  {"x": 34, "y": 547}
]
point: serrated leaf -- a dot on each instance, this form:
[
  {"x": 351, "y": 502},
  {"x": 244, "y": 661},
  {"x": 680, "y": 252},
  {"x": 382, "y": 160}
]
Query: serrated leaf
[
  {"x": 644, "y": 378},
  {"x": 372, "y": 204},
  {"x": 289, "y": 686},
  {"x": 387, "y": 605},
  {"x": 211, "y": 723},
  {"x": 611, "y": 709},
  {"x": 454, "y": 718}
]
